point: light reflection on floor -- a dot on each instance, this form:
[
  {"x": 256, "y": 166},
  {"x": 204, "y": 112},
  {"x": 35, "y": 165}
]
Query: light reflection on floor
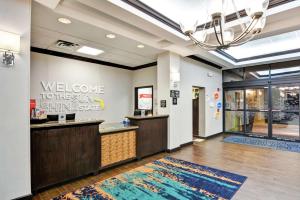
[{"x": 198, "y": 140}]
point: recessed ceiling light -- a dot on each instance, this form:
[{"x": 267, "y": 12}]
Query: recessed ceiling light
[
  {"x": 64, "y": 20},
  {"x": 89, "y": 51},
  {"x": 140, "y": 46},
  {"x": 111, "y": 36}
]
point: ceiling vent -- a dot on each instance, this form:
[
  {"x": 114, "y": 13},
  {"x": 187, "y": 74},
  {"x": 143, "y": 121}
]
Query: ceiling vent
[{"x": 66, "y": 45}]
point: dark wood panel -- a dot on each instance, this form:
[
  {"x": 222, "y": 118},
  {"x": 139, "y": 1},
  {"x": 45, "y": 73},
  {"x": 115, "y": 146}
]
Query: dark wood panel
[
  {"x": 196, "y": 116},
  {"x": 84, "y": 151},
  {"x": 63, "y": 153},
  {"x": 49, "y": 156},
  {"x": 152, "y": 135}
]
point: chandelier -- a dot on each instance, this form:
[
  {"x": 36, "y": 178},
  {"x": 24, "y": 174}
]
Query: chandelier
[{"x": 218, "y": 33}]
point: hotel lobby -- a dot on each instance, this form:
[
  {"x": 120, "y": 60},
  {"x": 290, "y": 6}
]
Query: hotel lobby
[{"x": 145, "y": 99}]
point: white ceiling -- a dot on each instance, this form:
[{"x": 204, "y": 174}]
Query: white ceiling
[
  {"x": 94, "y": 18},
  {"x": 46, "y": 30},
  {"x": 195, "y": 10}
]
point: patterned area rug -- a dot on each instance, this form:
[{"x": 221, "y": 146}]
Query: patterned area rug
[
  {"x": 266, "y": 143},
  {"x": 167, "y": 178}
]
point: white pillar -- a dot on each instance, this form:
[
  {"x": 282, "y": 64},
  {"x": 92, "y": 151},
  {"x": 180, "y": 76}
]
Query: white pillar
[
  {"x": 15, "y": 16},
  {"x": 168, "y": 69}
]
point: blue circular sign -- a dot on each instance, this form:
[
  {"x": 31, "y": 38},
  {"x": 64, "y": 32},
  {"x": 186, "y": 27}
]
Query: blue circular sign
[{"x": 219, "y": 105}]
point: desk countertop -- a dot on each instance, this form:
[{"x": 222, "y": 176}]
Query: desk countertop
[
  {"x": 147, "y": 117},
  {"x": 115, "y": 127},
  {"x": 67, "y": 123}
]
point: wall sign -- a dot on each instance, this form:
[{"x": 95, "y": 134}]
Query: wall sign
[
  {"x": 219, "y": 105},
  {"x": 174, "y": 101},
  {"x": 177, "y": 93},
  {"x": 174, "y": 93},
  {"x": 216, "y": 95},
  {"x": 61, "y": 97},
  {"x": 163, "y": 103}
]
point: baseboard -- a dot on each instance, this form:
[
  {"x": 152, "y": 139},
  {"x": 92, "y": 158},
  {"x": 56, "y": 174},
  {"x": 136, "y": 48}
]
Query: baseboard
[
  {"x": 178, "y": 148},
  {"x": 173, "y": 150},
  {"x": 186, "y": 144},
  {"x": 27, "y": 197},
  {"x": 211, "y": 136}
]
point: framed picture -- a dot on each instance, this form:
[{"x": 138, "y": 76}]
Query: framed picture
[{"x": 144, "y": 98}]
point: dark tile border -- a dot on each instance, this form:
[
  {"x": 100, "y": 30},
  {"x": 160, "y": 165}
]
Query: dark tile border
[
  {"x": 145, "y": 66},
  {"x": 110, "y": 64},
  {"x": 196, "y": 58}
]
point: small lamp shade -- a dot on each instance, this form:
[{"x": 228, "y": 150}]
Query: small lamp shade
[
  {"x": 175, "y": 76},
  {"x": 9, "y": 42}
]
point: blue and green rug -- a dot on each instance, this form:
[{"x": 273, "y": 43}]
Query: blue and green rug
[{"x": 167, "y": 178}]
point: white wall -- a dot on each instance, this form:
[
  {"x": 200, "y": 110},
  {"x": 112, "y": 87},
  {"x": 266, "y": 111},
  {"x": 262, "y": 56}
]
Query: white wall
[
  {"x": 146, "y": 77},
  {"x": 194, "y": 73},
  {"x": 14, "y": 102},
  {"x": 118, "y": 90}
]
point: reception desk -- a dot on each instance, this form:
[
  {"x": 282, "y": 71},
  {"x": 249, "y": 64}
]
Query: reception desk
[
  {"x": 152, "y": 135},
  {"x": 63, "y": 151}
]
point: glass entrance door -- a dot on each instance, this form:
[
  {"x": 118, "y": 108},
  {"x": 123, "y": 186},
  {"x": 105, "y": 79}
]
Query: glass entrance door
[
  {"x": 260, "y": 112},
  {"x": 256, "y": 111},
  {"x": 285, "y": 111},
  {"x": 234, "y": 111}
]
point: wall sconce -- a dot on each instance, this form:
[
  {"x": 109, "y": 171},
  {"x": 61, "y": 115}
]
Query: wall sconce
[
  {"x": 9, "y": 44},
  {"x": 175, "y": 76},
  {"x": 175, "y": 79}
]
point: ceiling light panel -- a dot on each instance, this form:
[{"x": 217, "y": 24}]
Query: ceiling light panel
[
  {"x": 90, "y": 51},
  {"x": 64, "y": 20},
  {"x": 111, "y": 36}
]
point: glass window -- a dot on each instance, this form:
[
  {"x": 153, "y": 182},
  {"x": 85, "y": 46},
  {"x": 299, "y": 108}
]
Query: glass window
[
  {"x": 285, "y": 124},
  {"x": 257, "y": 122},
  {"x": 234, "y": 121},
  {"x": 233, "y": 75},
  {"x": 257, "y": 99},
  {"x": 234, "y": 100},
  {"x": 267, "y": 45},
  {"x": 285, "y": 97},
  {"x": 257, "y": 72},
  {"x": 286, "y": 69}
]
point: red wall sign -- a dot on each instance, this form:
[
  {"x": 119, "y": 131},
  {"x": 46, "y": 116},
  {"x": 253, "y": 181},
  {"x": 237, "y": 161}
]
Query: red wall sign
[{"x": 216, "y": 95}]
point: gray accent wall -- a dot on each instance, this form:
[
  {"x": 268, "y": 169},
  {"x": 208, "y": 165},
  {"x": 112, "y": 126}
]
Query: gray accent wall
[{"x": 118, "y": 90}]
